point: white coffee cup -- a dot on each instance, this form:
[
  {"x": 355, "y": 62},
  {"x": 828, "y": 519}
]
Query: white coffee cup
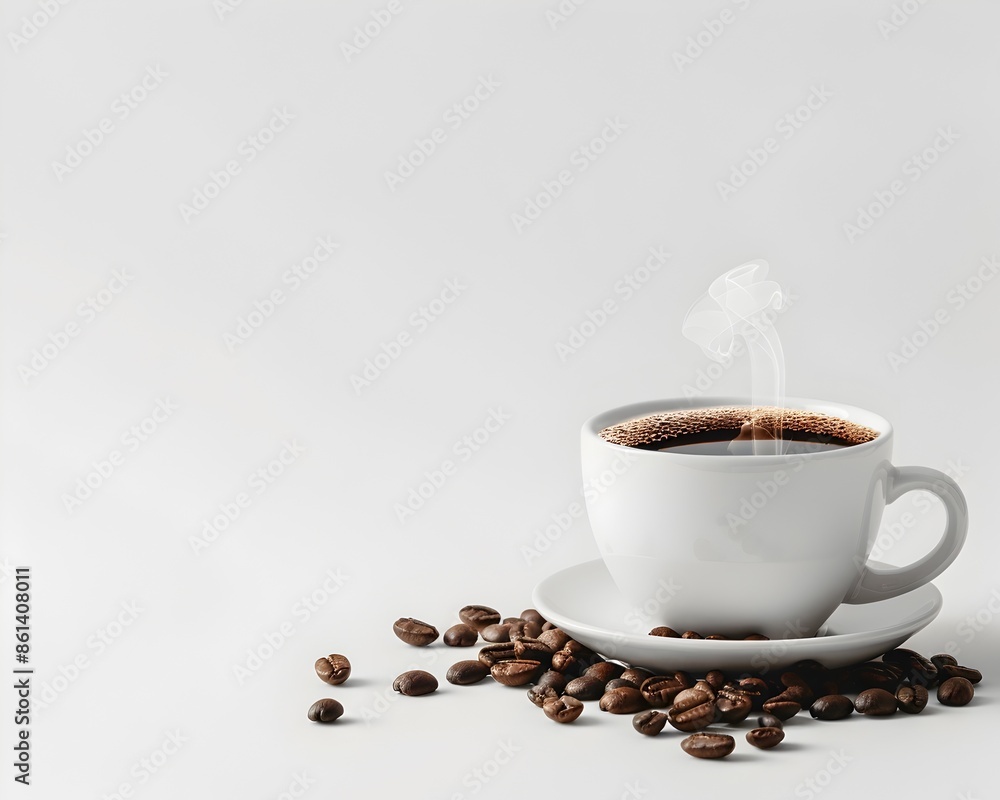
[{"x": 772, "y": 544}]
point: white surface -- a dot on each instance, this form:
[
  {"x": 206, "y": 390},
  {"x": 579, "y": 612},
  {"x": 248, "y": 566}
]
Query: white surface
[
  {"x": 584, "y": 601},
  {"x": 480, "y": 537}
]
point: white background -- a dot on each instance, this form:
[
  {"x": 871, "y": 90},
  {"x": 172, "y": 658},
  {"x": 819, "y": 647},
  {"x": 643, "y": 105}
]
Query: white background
[{"x": 524, "y": 290}]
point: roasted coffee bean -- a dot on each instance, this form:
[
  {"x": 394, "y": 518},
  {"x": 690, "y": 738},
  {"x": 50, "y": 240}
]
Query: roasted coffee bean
[
  {"x": 756, "y": 689},
  {"x": 479, "y": 616},
  {"x": 876, "y": 675},
  {"x": 533, "y": 650},
  {"x": 831, "y": 706},
  {"x": 563, "y": 709},
  {"x": 716, "y": 637},
  {"x": 649, "y": 723},
  {"x": 333, "y": 669},
  {"x": 586, "y": 687},
  {"x": 663, "y": 630},
  {"x": 520, "y": 629},
  {"x": 660, "y": 690},
  {"x": 715, "y": 678},
  {"x": 415, "y": 683},
  {"x": 955, "y": 692},
  {"x": 564, "y": 661},
  {"x": 548, "y": 626},
  {"x": 539, "y": 695},
  {"x": 515, "y": 673},
  {"x": 802, "y": 695},
  {"x": 876, "y": 703},
  {"x": 911, "y": 699},
  {"x": 510, "y": 620},
  {"x": 554, "y": 639},
  {"x": 916, "y": 668},
  {"x": 765, "y": 738},
  {"x": 732, "y": 704},
  {"x": 325, "y": 710},
  {"x": 973, "y": 676},
  {"x": 552, "y": 678},
  {"x": 413, "y": 631},
  {"x": 781, "y": 708},
  {"x": 604, "y": 671},
  {"x": 624, "y": 700},
  {"x": 771, "y": 721},
  {"x": 618, "y": 683},
  {"x": 944, "y": 660},
  {"x": 495, "y": 653},
  {"x": 635, "y": 676},
  {"x": 464, "y": 673},
  {"x": 531, "y": 615},
  {"x": 497, "y": 633},
  {"x": 691, "y": 635},
  {"x": 708, "y": 745},
  {"x": 756, "y": 637},
  {"x": 706, "y": 687},
  {"x": 692, "y": 710},
  {"x": 461, "y": 635}
]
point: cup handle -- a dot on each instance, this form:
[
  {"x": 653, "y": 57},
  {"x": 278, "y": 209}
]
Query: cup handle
[{"x": 880, "y": 584}]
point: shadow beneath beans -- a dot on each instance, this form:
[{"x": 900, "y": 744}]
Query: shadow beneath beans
[
  {"x": 791, "y": 746},
  {"x": 583, "y": 721},
  {"x": 364, "y": 683}
]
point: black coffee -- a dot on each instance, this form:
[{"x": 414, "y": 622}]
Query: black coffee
[{"x": 738, "y": 430}]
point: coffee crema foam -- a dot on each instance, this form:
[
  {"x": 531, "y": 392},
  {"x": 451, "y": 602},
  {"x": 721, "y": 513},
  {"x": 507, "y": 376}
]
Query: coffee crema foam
[{"x": 662, "y": 429}]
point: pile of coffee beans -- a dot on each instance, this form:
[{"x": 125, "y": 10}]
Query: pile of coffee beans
[{"x": 564, "y": 675}]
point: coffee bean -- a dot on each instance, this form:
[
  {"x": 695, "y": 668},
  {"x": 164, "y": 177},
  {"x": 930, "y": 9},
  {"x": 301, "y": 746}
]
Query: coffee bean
[
  {"x": 708, "y": 745},
  {"x": 604, "y": 671},
  {"x": 692, "y": 710},
  {"x": 582, "y": 653},
  {"x": 715, "y": 678},
  {"x": 831, "y": 706},
  {"x": 876, "y": 703},
  {"x": 515, "y": 673},
  {"x": 563, "y": 709},
  {"x": 649, "y": 723},
  {"x": 943, "y": 660},
  {"x": 955, "y": 692},
  {"x": 782, "y": 708},
  {"x": 510, "y": 620},
  {"x": 415, "y": 683},
  {"x": 531, "y": 615},
  {"x": 333, "y": 669},
  {"x": 461, "y": 635},
  {"x": 325, "y": 710},
  {"x": 554, "y": 639},
  {"x": 691, "y": 635},
  {"x": 756, "y": 637},
  {"x": 533, "y": 650},
  {"x": 496, "y": 633},
  {"x": 705, "y": 687},
  {"x": 771, "y": 721},
  {"x": 802, "y": 695},
  {"x": 911, "y": 699},
  {"x": 464, "y": 673},
  {"x": 915, "y": 668},
  {"x": 765, "y": 738},
  {"x": 564, "y": 661},
  {"x": 732, "y": 704},
  {"x": 875, "y": 675},
  {"x": 716, "y": 637},
  {"x": 495, "y": 653},
  {"x": 520, "y": 629},
  {"x": 618, "y": 683},
  {"x": 955, "y": 671},
  {"x": 548, "y": 626},
  {"x": 660, "y": 690},
  {"x": 756, "y": 689},
  {"x": 586, "y": 687},
  {"x": 539, "y": 695},
  {"x": 663, "y": 630},
  {"x": 624, "y": 700},
  {"x": 552, "y": 678},
  {"x": 413, "y": 631},
  {"x": 636, "y": 676},
  {"x": 479, "y": 616}
]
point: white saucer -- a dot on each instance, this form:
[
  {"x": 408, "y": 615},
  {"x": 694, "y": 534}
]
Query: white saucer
[{"x": 584, "y": 601}]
